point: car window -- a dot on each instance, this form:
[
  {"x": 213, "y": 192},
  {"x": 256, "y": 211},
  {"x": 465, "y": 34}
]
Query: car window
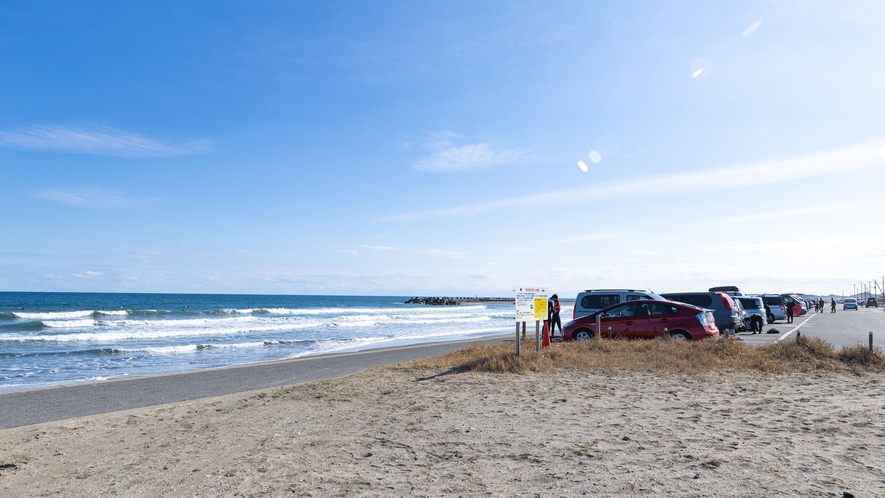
[
  {"x": 750, "y": 304},
  {"x": 663, "y": 309},
  {"x": 599, "y": 301},
  {"x": 639, "y": 297},
  {"x": 702, "y": 300},
  {"x": 623, "y": 311}
]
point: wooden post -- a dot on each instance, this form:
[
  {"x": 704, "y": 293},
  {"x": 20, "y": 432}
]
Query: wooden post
[
  {"x": 517, "y": 339},
  {"x": 871, "y": 340},
  {"x": 599, "y": 326}
]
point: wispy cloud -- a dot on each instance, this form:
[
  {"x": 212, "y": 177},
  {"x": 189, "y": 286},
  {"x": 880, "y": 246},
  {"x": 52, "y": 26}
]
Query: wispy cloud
[
  {"x": 88, "y": 274},
  {"x": 451, "y": 254},
  {"x": 749, "y": 30},
  {"x": 820, "y": 163},
  {"x": 590, "y": 237},
  {"x": 379, "y": 248},
  {"x": 448, "y": 156},
  {"x": 791, "y": 213},
  {"x": 90, "y": 197},
  {"x": 101, "y": 141}
]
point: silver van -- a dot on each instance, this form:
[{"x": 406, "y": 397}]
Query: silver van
[{"x": 593, "y": 300}]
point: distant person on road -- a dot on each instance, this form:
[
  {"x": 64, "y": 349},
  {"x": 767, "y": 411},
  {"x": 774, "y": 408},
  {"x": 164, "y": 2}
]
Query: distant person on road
[
  {"x": 553, "y": 309},
  {"x": 822, "y": 304},
  {"x": 789, "y": 310},
  {"x": 832, "y": 305}
]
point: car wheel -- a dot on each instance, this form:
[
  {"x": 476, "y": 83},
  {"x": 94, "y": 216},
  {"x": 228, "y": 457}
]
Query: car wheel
[
  {"x": 582, "y": 335},
  {"x": 680, "y": 336}
]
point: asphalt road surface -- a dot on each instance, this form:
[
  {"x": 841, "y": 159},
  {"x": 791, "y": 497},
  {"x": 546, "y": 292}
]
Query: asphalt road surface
[
  {"x": 18, "y": 408},
  {"x": 843, "y": 328}
]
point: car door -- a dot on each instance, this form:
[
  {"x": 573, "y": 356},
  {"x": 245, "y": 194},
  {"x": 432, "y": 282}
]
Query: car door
[
  {"x": 663, "y": 320},
  {"x": 644, "y": 322},
  {"x": 621, "y": 319}
]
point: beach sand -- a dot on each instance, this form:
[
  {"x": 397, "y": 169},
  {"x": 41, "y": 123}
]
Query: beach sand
[{"x": 397, "y": 432}]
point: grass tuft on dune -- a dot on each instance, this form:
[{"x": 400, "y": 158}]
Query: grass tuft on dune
[{"x": 810, "y": 355}]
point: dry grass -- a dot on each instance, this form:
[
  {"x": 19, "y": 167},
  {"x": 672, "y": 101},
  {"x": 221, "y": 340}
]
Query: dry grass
[{"x": 804, "y": 355}]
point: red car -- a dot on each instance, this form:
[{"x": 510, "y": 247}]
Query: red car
[{"x": 645, "y": 320}]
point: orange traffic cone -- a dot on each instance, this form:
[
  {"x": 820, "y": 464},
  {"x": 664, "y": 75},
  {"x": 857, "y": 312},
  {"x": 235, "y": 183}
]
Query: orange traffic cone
[{"x": 545, "y": 339}]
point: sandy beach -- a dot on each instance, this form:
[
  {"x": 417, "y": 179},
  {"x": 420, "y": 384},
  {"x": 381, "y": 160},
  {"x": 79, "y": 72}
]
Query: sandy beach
[{"x": 392, "y": 431}]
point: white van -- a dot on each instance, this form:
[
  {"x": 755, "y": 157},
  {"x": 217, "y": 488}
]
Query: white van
[{"x": 593, "y": 300}]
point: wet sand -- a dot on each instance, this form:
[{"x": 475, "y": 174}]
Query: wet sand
[{"x": 394, "y": 432}]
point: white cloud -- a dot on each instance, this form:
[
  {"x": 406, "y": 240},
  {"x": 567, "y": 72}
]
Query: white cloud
[
  {"x": 101, "y": 141},
  {"x": 839, "y": 209},
  {"x": 451, "y": 254},
  {"x": 379, "y": 248},
  {"x": 591, "y": 237},
  {"x": 448, "y": 156},
  {"x": 96, "y": 198},
  {"x": 749, "y": 30},
  {"x": 819, "y": 163}
]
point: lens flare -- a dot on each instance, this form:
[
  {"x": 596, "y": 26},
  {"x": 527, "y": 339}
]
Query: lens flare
[
  {"x": 595, "y": 156},
  {"x": 583, "y": 166},
  {"x": 697, "y": 73}
]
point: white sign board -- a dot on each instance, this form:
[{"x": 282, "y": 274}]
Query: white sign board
[{"x": 531, "y": 304}]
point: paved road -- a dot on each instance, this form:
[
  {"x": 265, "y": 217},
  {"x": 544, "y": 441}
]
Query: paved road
[
  {"x": 18, "y": 408},
  {"x": 843, "y": 328}
]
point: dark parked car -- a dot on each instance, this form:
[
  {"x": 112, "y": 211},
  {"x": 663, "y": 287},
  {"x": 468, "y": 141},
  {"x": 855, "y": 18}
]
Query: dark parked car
[
  {"x": 872, "y": 302},
  {"x": 645, "y": 320},
  {"x": 728, "y": 315}
]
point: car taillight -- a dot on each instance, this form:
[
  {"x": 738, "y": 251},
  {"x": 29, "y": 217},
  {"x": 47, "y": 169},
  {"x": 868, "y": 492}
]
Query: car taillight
[
  {"x": 702, "y": 317},
  {"x": 725, "y": 300}
]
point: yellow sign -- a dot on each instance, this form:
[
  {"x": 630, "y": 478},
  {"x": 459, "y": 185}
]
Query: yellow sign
[{"x": 540, "y": 308}]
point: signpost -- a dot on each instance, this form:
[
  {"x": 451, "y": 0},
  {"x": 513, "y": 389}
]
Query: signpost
[{"x": 531, "y": 304}]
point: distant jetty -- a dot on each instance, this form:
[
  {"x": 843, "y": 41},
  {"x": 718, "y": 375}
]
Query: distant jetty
[{"x": 455, "y": 301}]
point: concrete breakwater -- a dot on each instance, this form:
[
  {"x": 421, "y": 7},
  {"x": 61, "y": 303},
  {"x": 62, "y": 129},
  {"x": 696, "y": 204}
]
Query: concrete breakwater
[{"x": 454, "y": 301}]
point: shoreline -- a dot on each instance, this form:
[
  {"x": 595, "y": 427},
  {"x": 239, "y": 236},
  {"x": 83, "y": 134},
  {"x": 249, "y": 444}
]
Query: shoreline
[{"x": 54, "y": 403}]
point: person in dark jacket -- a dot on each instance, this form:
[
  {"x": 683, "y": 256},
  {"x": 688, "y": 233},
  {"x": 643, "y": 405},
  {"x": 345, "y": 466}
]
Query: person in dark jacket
[
  {"x": 553, "y": 314},
  {"x": 789, "y": 310},
  {"x": 832, "y": 305}
]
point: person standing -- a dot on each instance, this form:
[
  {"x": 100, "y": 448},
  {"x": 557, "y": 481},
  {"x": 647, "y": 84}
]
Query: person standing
[
  {"x": 832, "y": 305},
  {"x": 822, "y": 304},
  {"x": 789, "y": 311},
  {"x": 553, "y": 309}
]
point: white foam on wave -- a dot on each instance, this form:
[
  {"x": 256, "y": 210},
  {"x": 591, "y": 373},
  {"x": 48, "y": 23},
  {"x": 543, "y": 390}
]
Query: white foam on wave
[
  {"x": 52, "y": 315},
  {"x": 112, "y": 312},
  {"x": 114, "y": 334},
  {"x": 68, "y": 324},
  {"x": 372, "y": 311},
  {"x": 192, "y": 348},
  {"x": 336, "y": 345}
]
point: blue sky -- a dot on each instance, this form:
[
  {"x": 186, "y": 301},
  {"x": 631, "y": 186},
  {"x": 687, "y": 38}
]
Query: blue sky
[{"x": 418, "y": 148}]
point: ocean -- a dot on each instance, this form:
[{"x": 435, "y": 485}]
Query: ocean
[{"x": 49, "y": 338}]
